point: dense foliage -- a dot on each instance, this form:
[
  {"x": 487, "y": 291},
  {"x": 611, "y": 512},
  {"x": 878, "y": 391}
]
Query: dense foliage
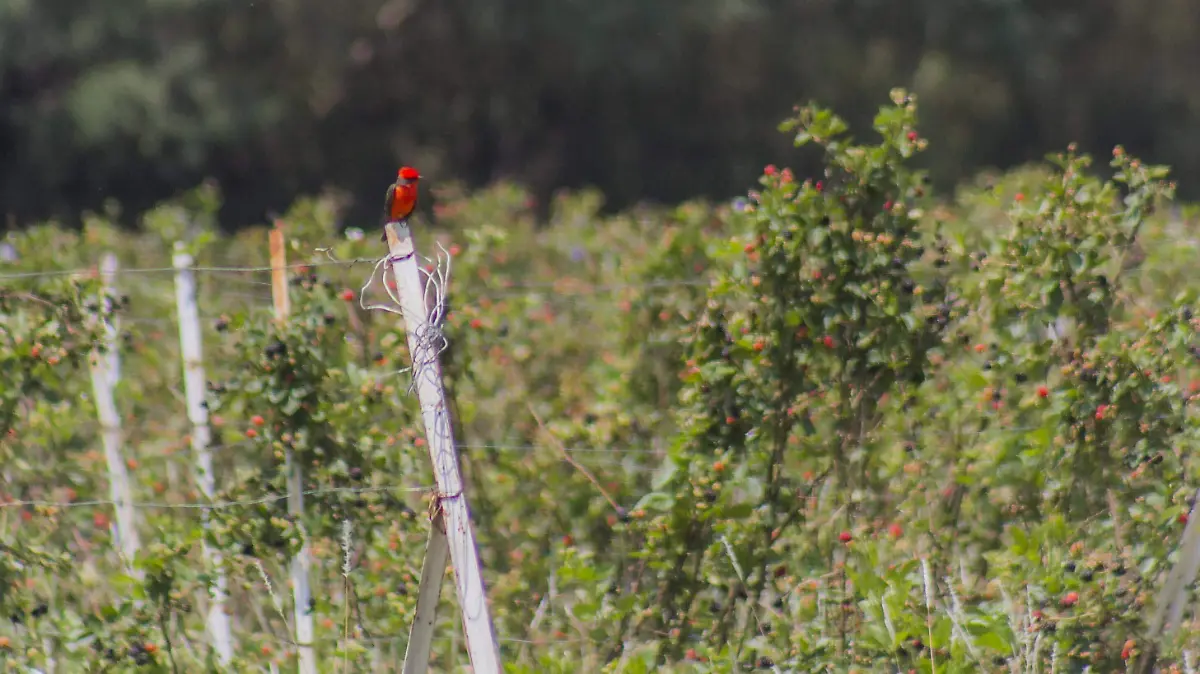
[{"x": 841, "y": 424}]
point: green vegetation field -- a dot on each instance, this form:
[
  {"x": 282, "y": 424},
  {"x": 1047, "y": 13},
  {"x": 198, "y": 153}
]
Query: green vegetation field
[{"x": 842, "y": 424}]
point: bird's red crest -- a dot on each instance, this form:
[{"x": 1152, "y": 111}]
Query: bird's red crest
[{"x": 409, "y": 173}]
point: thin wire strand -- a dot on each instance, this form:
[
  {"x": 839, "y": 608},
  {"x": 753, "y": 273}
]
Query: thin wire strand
[
  {"x": 173, "y": 270},
  {"x": 181, "y": 452},
  {"x": 558, "y": 286},
  {"x": 363, "y": 639},
  {"x": 214, "y": 505}
]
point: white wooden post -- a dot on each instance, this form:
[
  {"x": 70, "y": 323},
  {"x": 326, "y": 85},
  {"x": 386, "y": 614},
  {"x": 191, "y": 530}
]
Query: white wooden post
[
  {"x": 302, "y": 561},
  {"x": 1169, "y": 607},
  {"x": 450, "y": 505},
  {"x": 433, "y": 571},
  {"x": 105, "y": 375},
  {"x": 193, "y": 383}
]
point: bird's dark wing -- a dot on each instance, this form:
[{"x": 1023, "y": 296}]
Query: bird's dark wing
[
  {"x": 387, "y": 204},
  {"x": 387, "y": 210}
]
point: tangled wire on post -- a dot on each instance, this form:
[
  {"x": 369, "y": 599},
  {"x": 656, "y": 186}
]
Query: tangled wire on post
[{"x": 431, "y": 341}]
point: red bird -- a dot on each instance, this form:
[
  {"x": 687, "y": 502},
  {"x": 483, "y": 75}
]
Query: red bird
[{"x": 401, "y": 197}]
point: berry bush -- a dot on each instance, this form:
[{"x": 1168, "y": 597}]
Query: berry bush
[{"x": 841, "y": 423}]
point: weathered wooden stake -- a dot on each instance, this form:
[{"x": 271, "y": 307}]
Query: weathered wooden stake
[
  {"x": 302, "y": 562},
  {"x": 1168, "y": 610},
  {"x": 451, "y": 523},
  {"x": 219, "y": 633},
  {"x": 105, "y": 375}
]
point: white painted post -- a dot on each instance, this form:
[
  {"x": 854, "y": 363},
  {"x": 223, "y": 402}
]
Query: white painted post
[
  {"x": 450, "y": 502},
  {"x": 1169, "y": 607},
  {"x": 302, "y": 561},
  {"x": 105, "y": 375},
  {"x": 433, "y": 572},
  {"x": 193, "y": 383}
]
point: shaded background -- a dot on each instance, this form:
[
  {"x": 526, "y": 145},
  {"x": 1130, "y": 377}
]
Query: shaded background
[{"x": 134, "y": 100}]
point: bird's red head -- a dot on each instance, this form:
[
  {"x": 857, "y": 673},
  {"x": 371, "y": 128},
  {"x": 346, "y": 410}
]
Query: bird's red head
[{"x": 409, "y": 173}]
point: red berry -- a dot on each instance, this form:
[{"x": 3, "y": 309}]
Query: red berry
[
  {"x": 1043, "y": 391},
  {"x": 1070, "y": 599},
  {"x": 845, "y": 537},
  {"x": 820, "y": 185},
  {"x": 476, "y": 323},
  {"x": 455, "y": 250},
  {"x": 100, "y": 520},
  {"x": 770, "y": 170},
  {"x": 828, "y": 341},
  {"x": 691, "y": 654},
  {"x": 1100, "y": 411},
  {"x": 760, "y": 345},
  {"x": 912, "y": 135},
  {"x": 1020, "y": 197},
  {"x": 251, "y": 433},
  {"x": 895, "y": 531},
  {"x": 257, "y": 420},
  {"x": 568, "y": 540},
  {"x": 887, "y": 205},
  {"x": 348, "y": 295},
  {"x": 1183, "y": 518}
]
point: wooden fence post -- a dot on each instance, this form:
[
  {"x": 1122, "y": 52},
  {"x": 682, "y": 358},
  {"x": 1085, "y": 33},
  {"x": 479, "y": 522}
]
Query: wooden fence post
[
  {"x": 1169, "y": 606},
  {"x": 194, "y": 387},
  {"x": 451, "y": 523},
  {"x": 301, "y": 562},
  {"x": 105, "y": 375}
]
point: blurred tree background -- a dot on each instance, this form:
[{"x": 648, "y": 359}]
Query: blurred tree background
[{"x": 135, "y": 100}]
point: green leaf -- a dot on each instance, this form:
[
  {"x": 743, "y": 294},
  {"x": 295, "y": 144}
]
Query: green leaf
[
  {"x": 656, "y": 501},
  {"x": 666, "y": 475},
  {"x": 1020, "y": 540},
  {"x": 993, "y": 641}
]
